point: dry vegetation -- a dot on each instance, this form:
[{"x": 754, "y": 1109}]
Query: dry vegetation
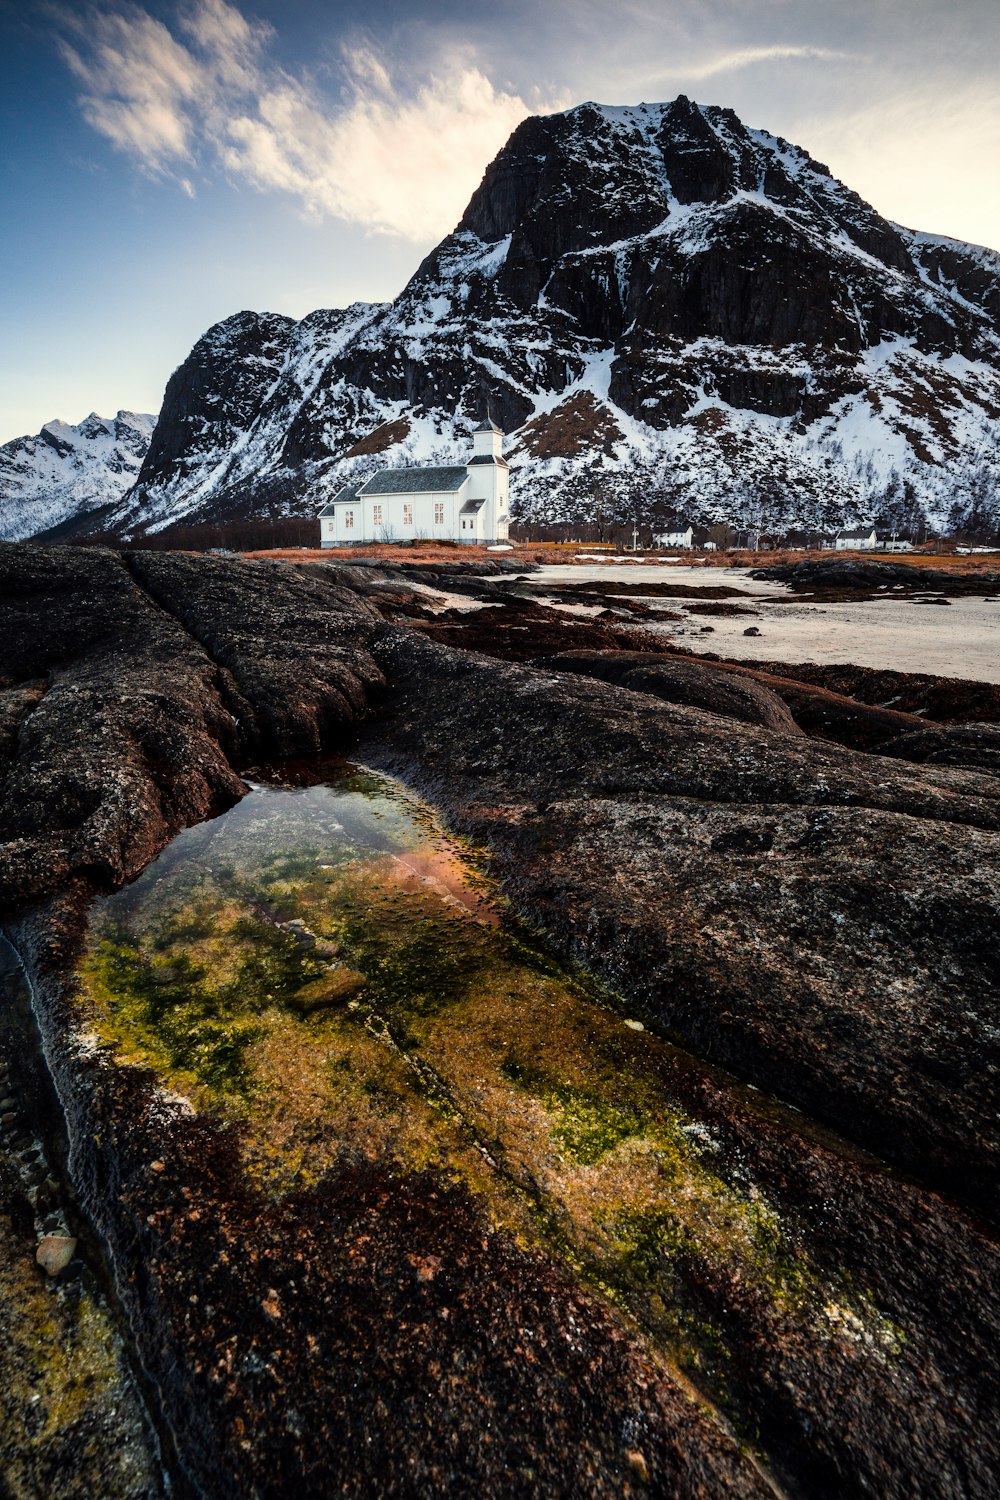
[{"x": 548, "y": 553}]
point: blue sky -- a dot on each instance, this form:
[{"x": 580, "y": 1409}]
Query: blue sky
[{"x": 167, "y": 162}]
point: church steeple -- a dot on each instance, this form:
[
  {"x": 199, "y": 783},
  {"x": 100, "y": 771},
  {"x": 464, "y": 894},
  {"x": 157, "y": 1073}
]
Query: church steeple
[{"x": 487, "y": 439}]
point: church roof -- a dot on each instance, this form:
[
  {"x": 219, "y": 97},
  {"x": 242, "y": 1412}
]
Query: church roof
[
  {"x": 489, "y": 458},
  {"x": 416, "y": 481},
  {"x": 471, "y": 507},
  {"x": 488, "y": 425},
  {"x": 349, "y": 492}
]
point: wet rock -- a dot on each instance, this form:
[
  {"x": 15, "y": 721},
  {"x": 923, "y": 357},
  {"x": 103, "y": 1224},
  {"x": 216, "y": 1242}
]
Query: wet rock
[
  {"x": 752, "y": 630},
  {"x": 681, "y": 681},
  {"x": 335, "y": 988},
  {"x": 55, "y": 1253},
  {"x": 390, "y": 1381},
  {"x": 826, "y": 967},
  {"x": 138, "y": 731},
  {"x": 129, "y": 742},
  {"x": 821, "y": 921},
  {"x": 522, "y": 629}
]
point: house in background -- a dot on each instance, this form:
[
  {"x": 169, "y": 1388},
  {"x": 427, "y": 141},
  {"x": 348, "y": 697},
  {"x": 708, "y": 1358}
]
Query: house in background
[
  {"x": 678, "y": 533},
  {"x": 893, "y": 541},
  {"x": 460, "y": 503},
  {"x": 856, "y": 541}
]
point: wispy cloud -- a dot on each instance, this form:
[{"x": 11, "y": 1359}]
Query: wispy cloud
[
  {"x": 394, "y": 158},
  {"x": 747, "y": 57}
]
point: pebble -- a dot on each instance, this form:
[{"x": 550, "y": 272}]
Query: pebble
[
  {"x": 635, "y": 1026},
  {"x": 55, "y": 1252},
  {"x": 6, "y": 1104}
]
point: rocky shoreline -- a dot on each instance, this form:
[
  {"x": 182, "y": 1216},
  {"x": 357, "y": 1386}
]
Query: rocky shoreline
[{"x": 795, "y": 885}]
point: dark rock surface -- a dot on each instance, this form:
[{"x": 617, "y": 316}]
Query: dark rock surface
[
  {"x": 959, "y": 745},
  {"x": 294, "y": 643},
  {"x": 687, "y": 682},
  {"x": 373, "y": 1335},
  {"x": 946, "y": 700},
  {"x": 137, "y": 731},
  {"x": 853, "y": 577},
  {"x": 129, "y": 741},
  {"x": 779, "y": 702},
  {"x": 767, "y": 898},
  {"x": 819, "y": 920}
]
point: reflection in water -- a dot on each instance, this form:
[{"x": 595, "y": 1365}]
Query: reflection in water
[{"x": 329, "y": 973}]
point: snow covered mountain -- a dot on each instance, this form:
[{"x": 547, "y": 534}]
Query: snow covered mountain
[
  {"x": 667, "y": 311},
  {"x": 67, "y": 472}
]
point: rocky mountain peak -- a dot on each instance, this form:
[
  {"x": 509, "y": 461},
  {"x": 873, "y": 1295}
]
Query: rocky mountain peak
[
  {"x": 752, "y": 341},
  {"x": 70, "y": 472}
]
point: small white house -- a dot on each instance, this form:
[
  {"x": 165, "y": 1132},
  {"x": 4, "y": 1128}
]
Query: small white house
[
  {"x": 856, "y": 541},
  {"x": 460, "y": 503},
  {"x": 675, "y": 538},
  {"x": 890, "y": 543}
]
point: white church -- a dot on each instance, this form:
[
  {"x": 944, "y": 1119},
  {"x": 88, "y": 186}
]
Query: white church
[{"x": 463, "y": 503}]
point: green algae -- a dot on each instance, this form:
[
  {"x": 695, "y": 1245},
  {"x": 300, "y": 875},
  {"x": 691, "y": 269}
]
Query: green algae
[
  {"x": 180, "y": 1019},
  {"x": 587, "y": 1124},
  {"x": 469, "y": 1049}
]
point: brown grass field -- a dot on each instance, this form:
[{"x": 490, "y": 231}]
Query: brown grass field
[{"x": 431, "y": 554}]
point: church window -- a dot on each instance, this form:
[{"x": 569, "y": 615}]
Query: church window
[
  {"x": 376, "y": 515},
  {"x": 439, "y": 513},
  {"x": 348, "y": 520},
  {"x": 407, "y": 513}
]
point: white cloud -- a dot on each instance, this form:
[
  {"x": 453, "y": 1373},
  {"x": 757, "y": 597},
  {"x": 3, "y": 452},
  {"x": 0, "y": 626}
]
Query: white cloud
[
  {"x": 404, "y": 165},
  {"x": 396, "y": 160},
  {"x": 746, "y": 57},
  {"x": 140, "y": 85}
]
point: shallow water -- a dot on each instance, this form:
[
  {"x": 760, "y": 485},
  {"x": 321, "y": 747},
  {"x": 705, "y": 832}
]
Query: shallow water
[{"x": 326, "y": 970}]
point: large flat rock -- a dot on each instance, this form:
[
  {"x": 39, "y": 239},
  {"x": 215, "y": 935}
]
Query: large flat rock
[{"x": 822, "y": 921}]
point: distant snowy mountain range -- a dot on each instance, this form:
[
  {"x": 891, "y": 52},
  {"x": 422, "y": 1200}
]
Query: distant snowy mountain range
[
  {"x": 67, "y": 473},
  {"x": 667, "y": 311}
]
